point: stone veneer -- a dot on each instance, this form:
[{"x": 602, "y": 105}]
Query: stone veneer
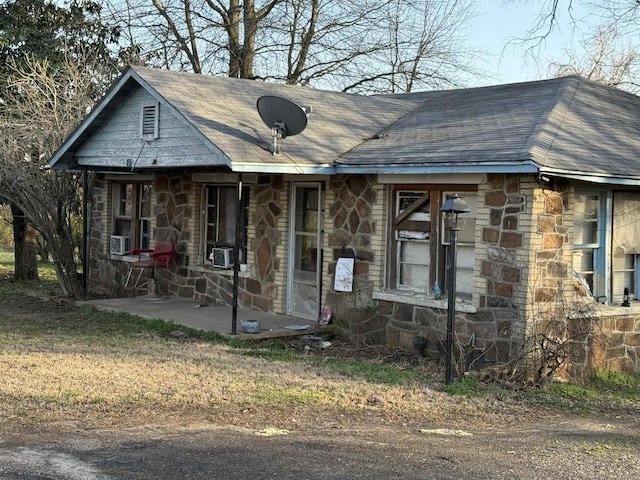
[
  {"x": 523, "y": 264},
  {"x": 503, "y": 246},
  {"x": 616, "y": 342},
  {"x": 392, "y": 320},
  {"x": 351, "y": 200},
  {"x": 257, "y": 289},
  {"x": 175, "y": 198}
]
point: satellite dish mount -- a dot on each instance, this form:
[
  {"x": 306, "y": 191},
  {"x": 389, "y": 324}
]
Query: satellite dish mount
[{"x": 284, "y": 117}]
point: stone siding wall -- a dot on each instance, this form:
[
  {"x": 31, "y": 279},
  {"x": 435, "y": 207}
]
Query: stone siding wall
[
  {"x": 353, "y": 199},
  {"x": 616, "y": 343},
  {"x": 267, "y": 210},
  {"x": 359, "y": 213},
  {"x": 523, "y": 265},
  {"x": 258, "y": 288},
  {"x": 175, "y": 202}
]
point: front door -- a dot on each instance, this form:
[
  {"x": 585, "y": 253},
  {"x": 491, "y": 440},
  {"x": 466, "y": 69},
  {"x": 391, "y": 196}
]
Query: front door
[{"x": 305, "y": 247}]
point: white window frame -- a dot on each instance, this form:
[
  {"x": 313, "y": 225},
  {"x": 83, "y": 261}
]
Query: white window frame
[
  {"x": 600, "y": 284},
  {"x": 625, "y": 244},
  {"x": 466, "y": 231},
  {"x": 127, "y": 209}
]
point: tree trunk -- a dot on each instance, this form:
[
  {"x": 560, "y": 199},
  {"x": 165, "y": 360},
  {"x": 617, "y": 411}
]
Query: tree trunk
[
  {"x": 26, "y": 246},
  {"x": 232, "y": 26},
  {"x": 65, "y": 267}
]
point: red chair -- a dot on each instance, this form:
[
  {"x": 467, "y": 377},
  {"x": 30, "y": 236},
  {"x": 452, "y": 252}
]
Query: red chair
[{"x": 149, "y": 259}]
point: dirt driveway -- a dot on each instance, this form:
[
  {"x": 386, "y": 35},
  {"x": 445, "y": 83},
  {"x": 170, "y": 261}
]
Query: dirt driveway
[{"x": 558, "y": 448}]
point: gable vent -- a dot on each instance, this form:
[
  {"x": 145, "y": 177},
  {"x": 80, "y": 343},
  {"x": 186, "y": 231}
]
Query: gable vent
[{"x": 149, "y": 121}]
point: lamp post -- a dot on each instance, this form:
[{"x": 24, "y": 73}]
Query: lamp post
[{"x": 452, "y": 207}]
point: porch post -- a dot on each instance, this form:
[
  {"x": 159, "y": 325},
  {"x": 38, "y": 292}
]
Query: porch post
[
  {"x": 236, "y": 258},
  {"x": 85, "y": 227}
]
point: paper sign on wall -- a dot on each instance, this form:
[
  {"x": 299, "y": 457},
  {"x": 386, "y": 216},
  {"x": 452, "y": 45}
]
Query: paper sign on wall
[{"x": 344, "y": 275}]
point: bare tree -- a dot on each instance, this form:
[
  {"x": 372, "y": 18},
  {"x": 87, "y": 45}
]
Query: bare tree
[
  {"x": 46, "y": 30},
  {"x": 609, "y": 48},
  {"x": 424, "y": 47},
  {"x": 361, "y": 45},
  {"x": 41, "y": 108},
  {"x": 622, "y": 16},
  {"x": 607, "y": 61},
  {"x": 314, "y": 42},
  {"x": 203, "y": 36}
]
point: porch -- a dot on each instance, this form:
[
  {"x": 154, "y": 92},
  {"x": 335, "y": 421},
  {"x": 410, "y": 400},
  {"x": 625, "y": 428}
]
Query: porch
[{"x": 217, "y": 318}]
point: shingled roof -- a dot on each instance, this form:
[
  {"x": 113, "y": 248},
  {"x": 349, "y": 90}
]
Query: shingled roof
[{"x": 567, "y": 127}]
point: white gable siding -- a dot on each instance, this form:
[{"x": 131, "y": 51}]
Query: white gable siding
[{"x": 120, "y": 143}]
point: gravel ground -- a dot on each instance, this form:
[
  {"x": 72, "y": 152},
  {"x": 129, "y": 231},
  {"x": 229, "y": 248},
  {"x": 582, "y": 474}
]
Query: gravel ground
[{"x": 563, "y": 449}]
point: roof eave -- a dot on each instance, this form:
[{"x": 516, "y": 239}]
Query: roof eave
[
  {"x": 591, "y": 177},
  {"x": 416, "y": 168}
]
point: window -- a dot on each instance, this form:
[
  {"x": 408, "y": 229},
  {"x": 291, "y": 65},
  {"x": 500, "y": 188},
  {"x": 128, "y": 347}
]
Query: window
[
  {"x": 420, "y": 244},
  {"x": 625, "y": 245},
  {"x": 588, "y": 241},
  {"x": 413, "y": 259},
  {"x": 220, "y": 217},
  {"x": 625, "y": 272},
  {"x": 606, "y": 243},
  {"x": 132, "y": 213},
  {"x": 144, "y": 215},
  {"x": 466, "y": 248}
]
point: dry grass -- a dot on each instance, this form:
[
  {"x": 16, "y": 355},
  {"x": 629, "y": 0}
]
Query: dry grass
[
  {"x": 65, "y": 365},
  {"x": 153, "y": 379},
  {"x": 60, "y": 363}
]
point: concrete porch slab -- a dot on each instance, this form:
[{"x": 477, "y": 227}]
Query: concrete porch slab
[{"x": 205, "y": 317}]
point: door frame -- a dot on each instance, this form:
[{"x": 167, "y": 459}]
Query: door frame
[{"x": 291, "y": 237}]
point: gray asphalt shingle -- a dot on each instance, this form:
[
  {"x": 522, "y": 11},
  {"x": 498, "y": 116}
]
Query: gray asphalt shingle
[{"x": 561, "y": 125}]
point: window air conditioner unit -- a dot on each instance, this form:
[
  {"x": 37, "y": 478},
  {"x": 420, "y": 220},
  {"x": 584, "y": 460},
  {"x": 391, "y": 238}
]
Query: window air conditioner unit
[
  {"x": 120, "y": 244},
  {"x": 222, "y": 257}
]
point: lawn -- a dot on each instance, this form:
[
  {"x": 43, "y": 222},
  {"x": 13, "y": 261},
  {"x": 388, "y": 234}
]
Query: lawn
[{"x": 64, "y": 363}]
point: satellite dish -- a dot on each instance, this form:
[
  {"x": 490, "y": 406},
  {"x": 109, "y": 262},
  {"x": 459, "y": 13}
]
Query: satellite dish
[{"x": 284, "y": 117}]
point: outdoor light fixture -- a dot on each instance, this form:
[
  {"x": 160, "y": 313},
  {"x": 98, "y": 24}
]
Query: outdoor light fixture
[
  {"x": 452, "y": 207},
  {"x": 625, "y": 298}
]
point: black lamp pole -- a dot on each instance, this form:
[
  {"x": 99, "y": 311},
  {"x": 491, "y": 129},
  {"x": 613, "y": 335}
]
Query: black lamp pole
[
  {"x": 451, "y": 303},
  {"x": 452, "y": 207}
]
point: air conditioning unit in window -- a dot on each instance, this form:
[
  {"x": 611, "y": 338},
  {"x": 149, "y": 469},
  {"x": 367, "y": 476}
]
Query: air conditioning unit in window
[
  {"x": 120, "y": 244},
  {"x": 222, "y": 257}
]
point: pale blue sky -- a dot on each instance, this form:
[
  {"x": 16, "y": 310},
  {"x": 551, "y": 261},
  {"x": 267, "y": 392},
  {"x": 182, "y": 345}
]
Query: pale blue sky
[{"x": 498, "y": 21}]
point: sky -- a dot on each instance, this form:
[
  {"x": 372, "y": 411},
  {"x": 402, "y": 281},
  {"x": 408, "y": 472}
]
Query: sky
[{"x": 499, "y": 21}]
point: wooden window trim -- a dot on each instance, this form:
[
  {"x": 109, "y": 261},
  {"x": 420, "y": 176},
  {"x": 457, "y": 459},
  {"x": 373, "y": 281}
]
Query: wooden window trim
[{"x": 437, "y": 251}]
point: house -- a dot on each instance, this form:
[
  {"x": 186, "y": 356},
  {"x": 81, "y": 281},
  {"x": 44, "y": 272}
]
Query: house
[{"x": 550, "y": 171}]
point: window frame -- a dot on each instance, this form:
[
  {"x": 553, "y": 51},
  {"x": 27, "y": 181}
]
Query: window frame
[
  {"x": 634, "y": 289},
  {"x": 205, "y": 245},
  {"x": 126, "y": 209},
  {"x": 600, "y": 285},
  {"x": 437, "y": 249}
]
